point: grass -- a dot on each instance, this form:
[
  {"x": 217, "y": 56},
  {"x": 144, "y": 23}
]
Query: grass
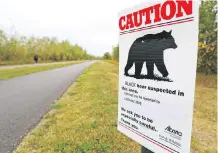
[
  {"x": 25, "y": 61},
  {"x": 112, "y": 61},
  {"x": 84, "y": 120},
  {"x": 155, "y": 77},
  {"x": 15, "y": 72},
  {"x": 205, "y": 115},
  {"x": 21, "y": 62}
]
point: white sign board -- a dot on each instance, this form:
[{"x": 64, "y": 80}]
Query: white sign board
[{"x": 157, "y": 71}]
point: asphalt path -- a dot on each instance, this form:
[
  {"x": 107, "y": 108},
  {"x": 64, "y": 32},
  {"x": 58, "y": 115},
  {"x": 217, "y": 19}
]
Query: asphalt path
[{"x": 24, "y": 100}]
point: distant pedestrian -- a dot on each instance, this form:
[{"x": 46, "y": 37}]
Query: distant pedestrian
[{"x": 36, "y": 59}]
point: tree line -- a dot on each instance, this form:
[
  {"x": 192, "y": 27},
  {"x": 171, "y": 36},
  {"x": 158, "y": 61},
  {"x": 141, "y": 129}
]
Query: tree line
[
  {"x": 207, "y": 45},
  {"x": 20, "y": 49}
]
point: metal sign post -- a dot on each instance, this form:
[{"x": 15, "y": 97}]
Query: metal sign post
[{"x": 145, "y": 150}]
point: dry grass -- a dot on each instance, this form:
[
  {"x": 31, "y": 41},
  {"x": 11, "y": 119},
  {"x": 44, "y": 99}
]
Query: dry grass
[
  {"x": 112, "y": 61},
  {"x": 84, "y": 120},
  {"x": 205, "y": 115}
]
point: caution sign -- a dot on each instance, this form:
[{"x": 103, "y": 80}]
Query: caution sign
[{"x": 158, "y": 43}]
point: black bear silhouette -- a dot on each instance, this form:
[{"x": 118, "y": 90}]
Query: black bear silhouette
[{"x": 149, "y": 48}]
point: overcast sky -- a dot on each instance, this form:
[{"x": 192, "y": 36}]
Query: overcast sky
[{"x": 92, "y": 24}]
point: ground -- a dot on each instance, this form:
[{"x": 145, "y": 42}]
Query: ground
[{"x": 84, "y": 120}]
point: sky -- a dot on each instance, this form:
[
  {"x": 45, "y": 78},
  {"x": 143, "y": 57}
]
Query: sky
[{"x": 93, "y": 24}]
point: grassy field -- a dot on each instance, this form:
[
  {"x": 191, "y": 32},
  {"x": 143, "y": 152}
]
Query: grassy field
[
  {"x": 15, "y": 72},
  {"x": 84, "y": 120}
]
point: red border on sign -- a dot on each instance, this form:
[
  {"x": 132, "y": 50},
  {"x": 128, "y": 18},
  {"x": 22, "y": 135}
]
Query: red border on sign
[{"x": 158, "y": 26}]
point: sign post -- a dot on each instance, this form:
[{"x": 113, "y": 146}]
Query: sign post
[
  {"x": 158, "y": 45},
  {"x": 145, "y": 150}
]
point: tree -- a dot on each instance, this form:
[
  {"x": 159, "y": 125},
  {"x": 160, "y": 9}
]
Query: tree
[
  {"x": 115, "y": 53},
  {"x": 207, "y": 53},
  {"x": 22, "y": 49},
  {"x": 3, "y": 41},
  {"x": 107, "y": 56}
]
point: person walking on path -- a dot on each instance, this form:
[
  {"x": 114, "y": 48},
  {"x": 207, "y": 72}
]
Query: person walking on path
[{"x": 36, "y": 59}]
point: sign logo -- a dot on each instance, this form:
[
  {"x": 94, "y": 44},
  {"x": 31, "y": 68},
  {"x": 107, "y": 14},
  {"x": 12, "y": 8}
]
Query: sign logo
[{"x": 173, "y": 131}]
